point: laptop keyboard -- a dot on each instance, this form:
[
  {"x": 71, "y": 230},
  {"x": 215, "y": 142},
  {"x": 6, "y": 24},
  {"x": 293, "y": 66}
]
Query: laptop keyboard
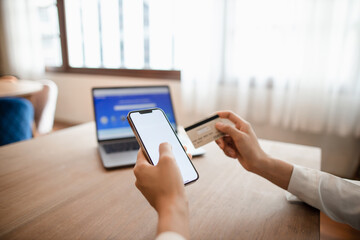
[{"x": 120, "y": 147}]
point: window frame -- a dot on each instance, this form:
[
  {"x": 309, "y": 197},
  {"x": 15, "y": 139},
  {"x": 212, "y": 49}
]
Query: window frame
[{"x": 66, "y": 68}]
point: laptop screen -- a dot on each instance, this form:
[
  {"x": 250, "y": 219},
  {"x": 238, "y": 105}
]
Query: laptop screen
[{"x": 111, "y": 106}]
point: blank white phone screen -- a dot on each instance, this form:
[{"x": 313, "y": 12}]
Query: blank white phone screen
[{"x": 154, "y": 129}]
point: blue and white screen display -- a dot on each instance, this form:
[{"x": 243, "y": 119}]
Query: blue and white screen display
[{"x": 113, "y": 105}]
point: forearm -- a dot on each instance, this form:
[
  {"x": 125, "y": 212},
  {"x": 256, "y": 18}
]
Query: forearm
[
  {"x": 274, "y": 170},
  {"x": 174, "y": 218}
]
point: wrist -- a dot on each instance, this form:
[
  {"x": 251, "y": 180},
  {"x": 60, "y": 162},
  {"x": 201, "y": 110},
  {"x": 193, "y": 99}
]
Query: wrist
[
  {"x": 171, "y": 206},
  {"x": 260, "y": 164},
  {"x": 274, "y": 170},
  {"x": 174, "y": 216}
]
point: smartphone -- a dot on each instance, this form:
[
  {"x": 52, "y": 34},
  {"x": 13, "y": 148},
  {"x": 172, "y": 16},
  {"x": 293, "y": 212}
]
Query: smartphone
[{"x": 151, "y": 128}]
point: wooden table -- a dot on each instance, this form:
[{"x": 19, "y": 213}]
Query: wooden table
[
  {"x": 54, "y": 187},
  {"x": 20, "y": 88}
]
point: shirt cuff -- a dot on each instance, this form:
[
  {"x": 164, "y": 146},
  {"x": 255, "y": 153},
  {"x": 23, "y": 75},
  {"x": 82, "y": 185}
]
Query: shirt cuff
[
  {"x": 304, "y": 184},
  {"x": 169, "y": 236}
]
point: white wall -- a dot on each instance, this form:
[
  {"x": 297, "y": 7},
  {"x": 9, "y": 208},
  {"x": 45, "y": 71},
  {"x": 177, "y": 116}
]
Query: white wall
[{"x": 74, "y": 100}]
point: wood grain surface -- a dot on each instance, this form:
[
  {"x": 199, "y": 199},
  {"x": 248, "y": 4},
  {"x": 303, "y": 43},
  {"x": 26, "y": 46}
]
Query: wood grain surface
[{"x": 54, "y": 187}]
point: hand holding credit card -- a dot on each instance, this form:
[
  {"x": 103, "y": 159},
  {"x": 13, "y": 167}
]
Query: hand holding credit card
[{"x": 204, "y": 131}]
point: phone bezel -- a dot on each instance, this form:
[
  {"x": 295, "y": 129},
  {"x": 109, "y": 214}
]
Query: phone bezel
[{"x": 143, "y": 148}]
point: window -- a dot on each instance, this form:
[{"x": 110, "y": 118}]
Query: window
[
  {"x": 125, "y": 37},
  {"x": 50, "y": 33}
]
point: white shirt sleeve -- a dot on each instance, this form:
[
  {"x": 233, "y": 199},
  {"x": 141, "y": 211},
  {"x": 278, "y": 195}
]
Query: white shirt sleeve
[
  {"x": 169, "y": 236},
  {"x": 336, "y": 197}
]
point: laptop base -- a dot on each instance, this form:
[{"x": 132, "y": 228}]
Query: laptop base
[{"x": 118, "y": 159}]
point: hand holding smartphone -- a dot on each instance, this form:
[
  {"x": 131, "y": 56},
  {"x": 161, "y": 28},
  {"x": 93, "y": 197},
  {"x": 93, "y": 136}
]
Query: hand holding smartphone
[{"x": 151, "y": 128}]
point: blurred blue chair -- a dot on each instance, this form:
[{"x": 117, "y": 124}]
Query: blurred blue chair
[{"x": 16, "y": 120}]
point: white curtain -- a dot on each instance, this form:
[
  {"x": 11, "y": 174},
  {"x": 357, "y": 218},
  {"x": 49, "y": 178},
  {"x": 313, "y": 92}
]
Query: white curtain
[
  {"x": 21, "y": 39},
  {"x": 290, "y": 63}
]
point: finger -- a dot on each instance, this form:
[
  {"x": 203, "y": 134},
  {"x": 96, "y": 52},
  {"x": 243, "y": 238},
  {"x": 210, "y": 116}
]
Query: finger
[
  {"x": 228, "y": 142},
  {"x": 220, "y": 142},
  {"x": 165, "y": 152},
  {"x": 141, "y": 163},
  {"x": 141, "y": 159},
  {"x": 165, "y": 148},
  {"x": 232, "y": 117},
  {"x": 230, "y": 152},
  {"x": 188, "y": 154},
  {"x": 232, "y": 131},
  {"x": 229, "y": 147}
]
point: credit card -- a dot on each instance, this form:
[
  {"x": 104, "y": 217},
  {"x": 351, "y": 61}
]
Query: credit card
[{"x": 204, "y": 131}]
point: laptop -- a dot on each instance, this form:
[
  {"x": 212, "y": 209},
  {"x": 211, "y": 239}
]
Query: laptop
[{"x": 116, "y": 142}]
